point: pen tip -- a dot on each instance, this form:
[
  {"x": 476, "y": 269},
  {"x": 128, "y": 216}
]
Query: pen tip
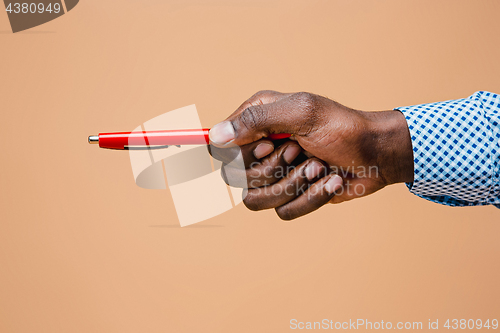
[{"x": 94, "y": 139}]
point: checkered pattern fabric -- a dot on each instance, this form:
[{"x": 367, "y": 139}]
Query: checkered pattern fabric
[{"x": 456, "y": 150}]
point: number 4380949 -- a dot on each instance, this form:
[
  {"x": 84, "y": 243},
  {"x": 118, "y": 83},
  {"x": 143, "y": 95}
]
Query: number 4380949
[
  {"x": 471, "y": 324},
  {"x": 33, "y": 8}
]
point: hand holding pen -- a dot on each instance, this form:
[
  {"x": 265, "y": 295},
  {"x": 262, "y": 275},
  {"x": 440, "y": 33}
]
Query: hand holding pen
[{"x": 355, "y": 153}]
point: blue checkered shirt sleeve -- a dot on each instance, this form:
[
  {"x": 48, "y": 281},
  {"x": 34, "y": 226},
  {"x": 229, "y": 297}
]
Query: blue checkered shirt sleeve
[{"x": 456, "y": 150}]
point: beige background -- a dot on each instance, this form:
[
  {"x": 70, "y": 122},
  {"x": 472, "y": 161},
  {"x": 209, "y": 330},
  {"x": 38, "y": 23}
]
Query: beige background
[{"x": 83, "y": 249}]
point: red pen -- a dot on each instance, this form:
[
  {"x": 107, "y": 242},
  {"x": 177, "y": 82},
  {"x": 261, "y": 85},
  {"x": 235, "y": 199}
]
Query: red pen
[{"x": 158, "y": 139}]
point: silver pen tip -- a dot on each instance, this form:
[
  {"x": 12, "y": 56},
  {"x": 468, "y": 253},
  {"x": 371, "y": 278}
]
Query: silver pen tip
[{"x": 94, "y": 139}]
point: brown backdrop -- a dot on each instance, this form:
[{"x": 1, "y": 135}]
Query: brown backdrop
[{"x": 83, "y": 249}]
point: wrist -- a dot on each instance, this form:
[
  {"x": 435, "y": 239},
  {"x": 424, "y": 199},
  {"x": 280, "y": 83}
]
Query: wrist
[{"x": 393, "y": 147}]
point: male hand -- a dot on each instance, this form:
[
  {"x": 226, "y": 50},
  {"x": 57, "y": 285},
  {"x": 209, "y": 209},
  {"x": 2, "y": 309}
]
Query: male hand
[{"x": 351, "y": 153}]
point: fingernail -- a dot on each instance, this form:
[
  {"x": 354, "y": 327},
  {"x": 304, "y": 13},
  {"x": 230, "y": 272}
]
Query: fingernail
[
  {"x": 313, "y": 169},
  {"x": 263, "y": 149},
  {"x": 333, "y": 184},
  {"x": 222, "y": 133},
  {"x": 291, "y": 153}
]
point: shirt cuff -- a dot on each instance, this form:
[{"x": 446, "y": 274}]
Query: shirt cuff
[{"x": 455, "y": 151}]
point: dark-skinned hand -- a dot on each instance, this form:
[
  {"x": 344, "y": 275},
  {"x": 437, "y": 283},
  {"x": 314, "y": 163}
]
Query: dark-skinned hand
[{"x": 335, "y": 153}]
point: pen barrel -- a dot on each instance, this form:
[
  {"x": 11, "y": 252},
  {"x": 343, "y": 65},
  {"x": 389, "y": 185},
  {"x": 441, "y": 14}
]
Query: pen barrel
[{"x": 123, "y": 140}]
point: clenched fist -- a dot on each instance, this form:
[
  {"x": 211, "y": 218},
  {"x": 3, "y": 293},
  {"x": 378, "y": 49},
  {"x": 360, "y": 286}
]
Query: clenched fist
[{"x": 334, "y": 154}]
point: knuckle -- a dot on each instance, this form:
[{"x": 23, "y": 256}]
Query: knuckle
[
  {"x": 262, "y": 93},
  {"x": 251, "y": 201},
  {"x": 285, "y": 214},
  {"x": 265, "y": 94},
  {"x": 252, "y": 117},
  {"x": 268, "y": 170},
  {"x": 317, "y": 197},
  {"x": 306, "y": 100},
  {"x": 254, "y": 180},
  {"x": 303, "y": 95}
]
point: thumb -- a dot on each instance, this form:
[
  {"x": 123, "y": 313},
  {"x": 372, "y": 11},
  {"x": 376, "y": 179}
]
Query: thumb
[{"x": 257, "y": 122}]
